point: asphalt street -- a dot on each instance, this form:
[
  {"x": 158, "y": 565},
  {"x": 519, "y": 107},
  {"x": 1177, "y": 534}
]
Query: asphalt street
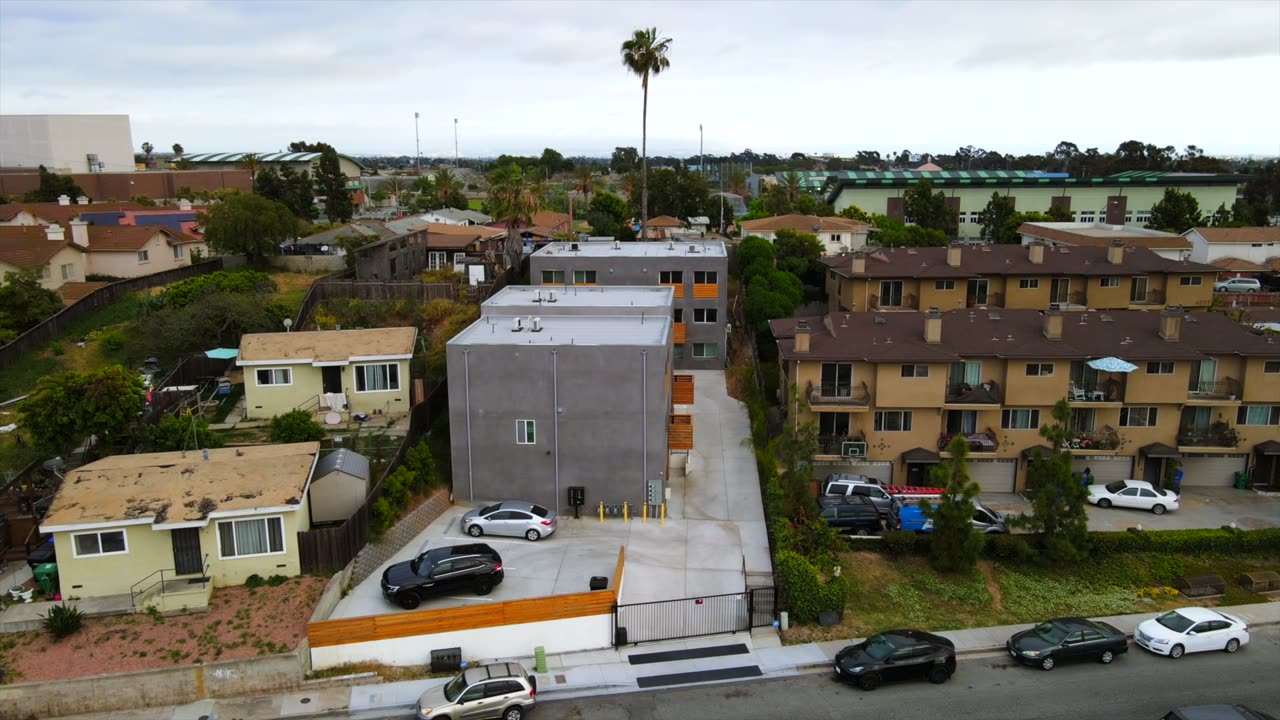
[{"x": 1137, "y": 685}]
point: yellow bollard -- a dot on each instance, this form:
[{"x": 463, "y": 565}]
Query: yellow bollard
[
  {"x": 601, "y": 511},
  {"x": 644, "y": 518},
  {"x": 663, "y": 509},
  {"x": 626, "y": 511}
]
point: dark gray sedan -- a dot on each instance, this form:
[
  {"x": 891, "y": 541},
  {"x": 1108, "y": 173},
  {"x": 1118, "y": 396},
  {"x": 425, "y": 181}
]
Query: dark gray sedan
[
  {"x": 1052, "y": 641},
  {"x": 510, "y": 517}
]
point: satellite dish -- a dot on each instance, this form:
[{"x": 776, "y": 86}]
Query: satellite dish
[
  {"x": 324, "y": 248},
  {"x": 332, "y": 419}
]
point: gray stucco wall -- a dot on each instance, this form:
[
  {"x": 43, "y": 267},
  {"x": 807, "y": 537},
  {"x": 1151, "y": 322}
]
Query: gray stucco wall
[
  {"x": 624, "y": 270},
  {"x": 613, "y": 418}
]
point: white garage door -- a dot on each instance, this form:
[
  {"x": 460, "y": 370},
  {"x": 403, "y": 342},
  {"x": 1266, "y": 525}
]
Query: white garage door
[
  {"x": 1214, "y": 470},
  {"x": 1104, "y": 468},
  {"x": 882, "y": 471},
  {"x": 993, "y": 475}
]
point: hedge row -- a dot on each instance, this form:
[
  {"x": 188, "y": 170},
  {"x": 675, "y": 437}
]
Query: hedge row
[{"x": 1223, "y": 541}]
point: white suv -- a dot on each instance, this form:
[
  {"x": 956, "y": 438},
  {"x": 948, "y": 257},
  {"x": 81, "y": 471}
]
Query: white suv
[
  {"x": 500, "y": 690},
  {"x": 1238, "y": 284}
]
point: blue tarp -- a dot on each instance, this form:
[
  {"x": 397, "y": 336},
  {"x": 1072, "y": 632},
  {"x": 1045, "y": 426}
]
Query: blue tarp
[
  {"x": 222, "y": 353},
  {"x": 1112, "y": 364}
]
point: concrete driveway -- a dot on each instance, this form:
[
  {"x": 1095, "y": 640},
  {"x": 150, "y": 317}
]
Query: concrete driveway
[
  {"x": 1201, "y": 507},
  {"x": 714, "y": 540}
]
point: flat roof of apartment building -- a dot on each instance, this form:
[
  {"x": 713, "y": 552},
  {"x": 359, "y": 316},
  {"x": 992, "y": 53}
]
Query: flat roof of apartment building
[
  {"x": 640, "y": 249},
  {"x": 560, "y": 330},
  {"x": 526, "y": 297}
]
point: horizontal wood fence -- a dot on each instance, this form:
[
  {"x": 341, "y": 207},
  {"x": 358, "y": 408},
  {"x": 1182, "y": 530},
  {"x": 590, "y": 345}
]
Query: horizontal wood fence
[
  {"x": 680, "y": 432},
  {"x": 53, "y": 328},
  {"x": 1251, "y": 299},
  {"x": 682, "y": 389},
  {"x": 428, "y": 622}
]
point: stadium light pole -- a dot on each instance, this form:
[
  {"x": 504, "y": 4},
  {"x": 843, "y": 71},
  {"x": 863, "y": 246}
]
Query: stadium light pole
[
  {"x": 417, "y": 145},
  {"x": 456, "y": 161}
]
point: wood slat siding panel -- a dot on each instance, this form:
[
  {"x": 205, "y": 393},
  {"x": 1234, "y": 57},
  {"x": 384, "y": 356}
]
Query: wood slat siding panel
[
  {"x": 680, "y": 433},
  {"x": 682, "y": 389},
  {"x": 706, "y": 291},
  {"x": 427, "y": 622},
  {"x": 678, "y": 288},
  {"x": 617, "y": 572},
  {"x": 678, "y": 333}
]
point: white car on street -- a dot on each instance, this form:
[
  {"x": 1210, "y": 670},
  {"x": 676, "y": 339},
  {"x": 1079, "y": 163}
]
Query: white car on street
[
  {"x": 1133, "y": 494},
  {"x": 1192, "y": 629}
]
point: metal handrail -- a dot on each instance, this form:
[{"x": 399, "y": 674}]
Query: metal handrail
[{"x": 134, "y": 593}]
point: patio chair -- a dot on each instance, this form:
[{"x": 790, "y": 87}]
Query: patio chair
[{"x": 1076, "y": 393}]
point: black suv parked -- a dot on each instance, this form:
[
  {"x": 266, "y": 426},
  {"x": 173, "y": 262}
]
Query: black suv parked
[
  {"x": 440, "y": 571},
  {"x": 895, "y": 655},
  {"x": 858, "y": 515}
]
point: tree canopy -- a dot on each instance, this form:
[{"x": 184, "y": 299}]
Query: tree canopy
[
  {"x": 288, "y": 187},
  {"x": 333, "y": 184},
  {"x": 994, "y": 217},
  {"x": 52, "y": 186},
  {"x": 1057, "y": 497},
  {"x": 249, "y": 225},
  {"x": 956, "y": 544},
  {"x": 607, "y": 214},
  {"x": 66, "y": 408},
  {"x": 895, "y": 233},
  {"x": 24, "y": 303},
  {"x": 624, "y": 160},
  {"x": 1176, "y": 212},
  {"x": 929, "y": 210}
]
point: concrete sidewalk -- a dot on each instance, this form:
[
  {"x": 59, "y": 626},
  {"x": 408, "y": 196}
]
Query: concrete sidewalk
[{"x": 603, "y": 672}]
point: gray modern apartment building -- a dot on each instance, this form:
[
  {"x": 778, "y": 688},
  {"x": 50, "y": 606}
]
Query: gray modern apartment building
[
  {"x": 563, "y": 387},
  {"x": 698, "y": 272}
]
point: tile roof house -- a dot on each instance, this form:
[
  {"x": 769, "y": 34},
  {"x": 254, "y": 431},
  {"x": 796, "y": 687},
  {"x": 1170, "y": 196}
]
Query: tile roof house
[
  {"x": 59, "y": 213},
  {"x": 207, "y": 518},
  {"x": 556, "y": 222},
  {"x": 1258, "y": 245},
  {"x": 838, "y": 235},
  {"x": 45, "y": 249},
  {"x": 131, "y": 251}
]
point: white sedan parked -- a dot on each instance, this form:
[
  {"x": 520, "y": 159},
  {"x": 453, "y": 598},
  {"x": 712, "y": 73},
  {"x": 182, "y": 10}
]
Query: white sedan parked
[
  {"x": 1192, "y": 629},
  {"x": 1133, "y": 494}
]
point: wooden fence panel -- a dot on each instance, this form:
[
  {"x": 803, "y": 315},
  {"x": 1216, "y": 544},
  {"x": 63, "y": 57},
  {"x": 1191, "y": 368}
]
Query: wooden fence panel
[
  {"x": 680, "y": 433},
  {"x": 682, "y": 389}
]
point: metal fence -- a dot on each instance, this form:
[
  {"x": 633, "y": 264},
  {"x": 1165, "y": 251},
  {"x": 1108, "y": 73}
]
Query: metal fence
[{"x": 694, "y": 616}]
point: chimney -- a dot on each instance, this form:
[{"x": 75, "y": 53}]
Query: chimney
[
  {"x": 859, "y": 264},
  {"x": 82, "y": 200},
  {"x": 184, "y": 204},
  {"x": 80, "y": 232},
  {"x": 953, "y": 255},
  {"x": 64, "y": 199},
  {"x": 55, "y": 233},
  {"x": 1053, "y": 324},
  {"x": 1171, "y": 323},
  {"x": 802, "y": 336},
  {"x": 1115, "y": 253},
  {"x": 933, "y": 326},
  {"x": 1035, "y": 253}
]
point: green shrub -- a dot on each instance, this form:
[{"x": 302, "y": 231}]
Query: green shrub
[
  {"x": 63, "y": 620},
  {"x": 1041, "y": 595},
  {"x": 254, "y": 581},
  {"x": 241, "y": 282},
  {"x": 295, "y": 426},
  {"x": 806, "y": 595},
  {"x": 1224, "y": 541},
  {"x": 1009, "y": 547},
  {"x": 113, "y": 340},
  {"x": 277, "y": 580},
  {"x": 383, "y": 514},
  {"x": 899, "y": 542},
  {"x": 57, "y": 348}
]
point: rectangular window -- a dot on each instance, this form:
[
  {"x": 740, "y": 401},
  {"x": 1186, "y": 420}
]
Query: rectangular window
[
  {"x": 1020, "y": 419},
  {"x": 1271, "y": 367},
  {"x": 705, "y": 350},
  {"x": 1137, "y": 417},
  {"x": 45, "y": 273},
  {"x": 1109, "y": 282},
  {"x": 893, "y": 421},
  {"x": 275, "y": 376},
  {"x": 68, "y": 271},
  {"x": 1039, "y": 369},
  {"x": 944, "y": 284},
  {"x": 671, "y": 277},
  {"x": 144, "y": 256},
  {"x": 890, "y": 293},
  {"x": 704, "y": 277},
  {"x": 377, "y": 378},
  {"x": 678, "y": 315},
  {"x": 1190, "y": 281},
  {"x": 677, "y": 352},
  {"x": 552, "y": 277},
  {"x": 1258, "y": 415},
  {"x": 915, "y": 371},
  {"x": 526, "y": 433},
  {"x": 704, "y": 315},
  {"x": 837, "y": 380},
  {"x": 107, "y": 542},
  {"x": 247, "y": 538},
  {"x": 1160, "y": 367},
  {"x": 584, "y": 277},
  {"x": 177, "y": 252},
  {"x": 1029, "y": 283},
  {"x": 437, "y": 259}
]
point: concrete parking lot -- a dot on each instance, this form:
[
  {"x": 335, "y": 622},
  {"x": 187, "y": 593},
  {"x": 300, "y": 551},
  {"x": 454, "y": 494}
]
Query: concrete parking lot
[
  {"x": 713, "y": 541},
  {"x": 1201, "y": 507}
]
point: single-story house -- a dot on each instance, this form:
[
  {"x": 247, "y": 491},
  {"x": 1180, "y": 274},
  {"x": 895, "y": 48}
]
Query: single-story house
[
  {"x": 454, "y": 216},
  {"x": 1097, "y": 234},
  {"x": 170, "y": 526},
  {"x": 44, "y": 249},
  {"x": 838, "y": 235},
  {"x": 700, "y": 223},
  {"x": 556, "y": 222},
  {"x": 1256, "y": 245},
  {"x": 455, "y": 246},
  {"x": 329, "y": 242},
  {"x": 359, "y": 371},
  {"x": 339, "y": 486}
]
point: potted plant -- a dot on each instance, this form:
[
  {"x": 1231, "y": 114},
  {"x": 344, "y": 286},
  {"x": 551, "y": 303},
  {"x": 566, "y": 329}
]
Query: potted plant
[{"x": 20, "y": 592}]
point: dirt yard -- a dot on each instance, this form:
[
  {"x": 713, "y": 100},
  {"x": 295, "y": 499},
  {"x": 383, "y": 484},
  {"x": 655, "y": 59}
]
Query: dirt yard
[{"x": 241, "y": 623}]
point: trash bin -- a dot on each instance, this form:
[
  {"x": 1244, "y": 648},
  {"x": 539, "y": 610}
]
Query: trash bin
[
  {"x": 1242, "y": 480},
  {"x": 47, "y": 578}
]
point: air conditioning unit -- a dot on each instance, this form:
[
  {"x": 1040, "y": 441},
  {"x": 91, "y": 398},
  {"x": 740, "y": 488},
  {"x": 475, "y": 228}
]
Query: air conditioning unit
[{"x": 853, "y": 448}]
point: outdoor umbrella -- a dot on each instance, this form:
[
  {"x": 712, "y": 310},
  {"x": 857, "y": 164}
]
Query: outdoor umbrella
[{"x": 1112, "y": 364}]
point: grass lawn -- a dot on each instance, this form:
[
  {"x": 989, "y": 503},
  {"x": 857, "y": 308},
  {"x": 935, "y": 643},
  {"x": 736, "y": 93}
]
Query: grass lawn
[
  {"x": 905, "y": 592},
  {"x": 475, "y": 204},
  {"x": 292, "y": 287}
]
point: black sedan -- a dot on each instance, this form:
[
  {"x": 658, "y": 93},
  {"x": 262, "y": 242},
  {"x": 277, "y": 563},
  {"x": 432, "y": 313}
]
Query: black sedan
[
  {"x": 1053, "y": 641},
  {"x": 895, "y": 655}
]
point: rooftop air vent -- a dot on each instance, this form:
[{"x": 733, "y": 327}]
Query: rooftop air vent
[
  {"x": 551, "y": 296},
  {"x": 1106, "y": 318},
  {"x": 537, "y": 296},
  {"x": 573, "y": 247},
  {"x": 880, "y": 320},
  {"x": 517, "y": 324},
  {"x": 993, "y": 316},
  {"x": 617, "y": 245},
  {"x": 694, "y": 249},
  {"x": 535, "y": 324}
]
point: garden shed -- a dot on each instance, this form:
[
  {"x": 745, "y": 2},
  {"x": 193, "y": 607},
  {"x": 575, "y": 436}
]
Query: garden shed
[{"x": 339, "y": 487}]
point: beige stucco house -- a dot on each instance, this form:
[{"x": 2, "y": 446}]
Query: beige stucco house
[
  {"x": 148, "y": 525},
  {"x": 43, "y": 249},
  {"x": 837, "y": 235},
  {"x": 131, "y": 251},
  {"x": 356, "y": 371}
]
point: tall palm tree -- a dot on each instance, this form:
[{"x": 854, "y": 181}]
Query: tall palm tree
[
  {"x": 514, "y": 198},
  {"x": 586, "y": 181},
  {"x": 395, "y": 187},
  {"x": 445, "y": 182},
  {"x": 791, "y": 183},
  {"x": 645, "y": 54},
  {"x": 251, "y": 163}
]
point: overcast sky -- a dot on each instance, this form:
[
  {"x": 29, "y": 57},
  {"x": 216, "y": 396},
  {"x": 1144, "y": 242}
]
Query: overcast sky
[{"x": 771, "y": 76}]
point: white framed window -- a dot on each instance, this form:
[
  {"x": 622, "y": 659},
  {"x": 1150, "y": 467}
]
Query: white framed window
[
  {"x": 552, "y": 277},
  {"x": 677, "y": 352},
  {"x": 68, "y": 271},
  {"x": 1138, "y": 417},
  {"x": 1109, "y": 282},
  {"x": 274, "y": 376},
  {"x": 704, "y": 315},
  {"x": 251, "y": 537},
  {"x": 915, "y": 371},
  {"x": 1160, "y": 367},
  {"x": 1271, "y": 367},
  {"x": 144, "y": 256},
  {"x": 177, "y": 252},
  {"x": 705, "y": 351},
  {"x": 944, "y": 284},
  {"x": 94, "y": 544},
  {"x": 1258, "y": 415},
  {"x": 704, "y": 277},
  {"x": 1039, "y": 369},
  {"x": 893, "y": 421},
  {"x": 1128, "y": 218},
  {"x": 1190, "y": 281},
  {"x": 1143, "y": 216},
  {"x": 673, "y": 277},
  {"x": 584, "y": 277},
  {"x": 382, "y": 377},
  {"x": 1020, "y": 419},
  {"x": 1028, "y": 283},
  {"x": 437, "y": 259},
  {"x": 459, "y": 259},
  {"x": 46, "y": 272},
  {"x": 526, "y": 432}
]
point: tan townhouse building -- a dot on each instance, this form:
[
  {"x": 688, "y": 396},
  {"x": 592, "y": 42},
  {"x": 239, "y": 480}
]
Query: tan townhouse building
[
  {"x": 889, "y": 391},
  {"x": 1032, "y": 277}
]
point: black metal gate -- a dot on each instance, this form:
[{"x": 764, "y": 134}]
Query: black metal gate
[{"x": 694, "y": 616}]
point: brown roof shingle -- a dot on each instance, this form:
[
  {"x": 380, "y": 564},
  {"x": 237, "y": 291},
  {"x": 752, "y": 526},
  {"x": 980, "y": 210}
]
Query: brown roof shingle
[
  {"x": 665, "y": 221},
  {"x": 803, "y": 223},
  {"x": 1128, "y": 237},
  {"x": 54, "y": 213},
  {"x": 1235, "y": 264},
  {"x": 129, "y": 238},
  {"x": 931, "y": 262},
  {"x": 28, "y": 246},
  {"x": 1239, "y": 235}
]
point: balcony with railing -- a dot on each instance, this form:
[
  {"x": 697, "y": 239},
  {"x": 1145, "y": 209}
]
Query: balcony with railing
[
  {"x": 842, "y": 445},
  {"x": 906, "y": 301},
  {"x": 1074, "y": 300},
  {"x": 984, "y": 393},
  {"x": 1106, "y": 388},
  {"x": 1217, "y": 435},
  {"x": 1150, "y": 297},
  {"x": 1105, "y": 439},
  {"x": 1227, "y": 389},
  {"x": 991, "y": 299},
  {"x": 828, "y": 394},
  {"x": 979, "y": 442}
]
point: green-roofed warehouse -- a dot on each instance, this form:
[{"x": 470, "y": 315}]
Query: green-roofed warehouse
[{"x": 298, "y": 160}]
